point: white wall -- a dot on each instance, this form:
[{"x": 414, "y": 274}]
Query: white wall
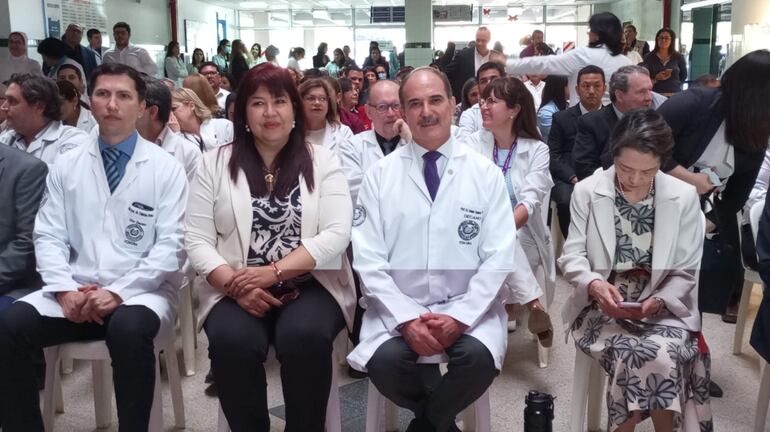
[
  {"x": 647, "y": 15},
  {"x": 27, "y": 16}
]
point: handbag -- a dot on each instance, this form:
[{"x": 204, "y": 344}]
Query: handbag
[{"x": 718, "y": 273}]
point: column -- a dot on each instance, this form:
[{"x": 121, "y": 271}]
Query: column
[{"x": 419, "y": 32}]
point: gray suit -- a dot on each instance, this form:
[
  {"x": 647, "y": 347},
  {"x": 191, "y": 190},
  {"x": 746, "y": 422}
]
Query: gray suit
[{"x": 22, "y": 183}]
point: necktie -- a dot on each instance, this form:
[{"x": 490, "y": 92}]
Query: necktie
[
  {"x": 111, "y": 167},
  {"x": 430, "y": 172}
]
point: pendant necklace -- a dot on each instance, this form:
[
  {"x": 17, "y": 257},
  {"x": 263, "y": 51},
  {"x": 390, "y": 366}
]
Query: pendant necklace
[
  {"x": 623, "y": 193},
  {"x": 270, "y": 179}
]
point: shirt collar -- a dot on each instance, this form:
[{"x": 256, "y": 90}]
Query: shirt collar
[
  {"x": 39, "y": 135},
  {"x": 445, "y": 149},
  {"x": 126, "y": 146},
  {"x": 381, "y": 140},
  {"x": 583, "y": 110},
  {"x": 617, "y": 112},
  {"x": 162, "y": 136}
]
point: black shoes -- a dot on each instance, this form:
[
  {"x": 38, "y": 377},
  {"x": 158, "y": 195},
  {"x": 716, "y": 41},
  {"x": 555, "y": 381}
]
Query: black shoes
[{"x": 714, "y": 390}]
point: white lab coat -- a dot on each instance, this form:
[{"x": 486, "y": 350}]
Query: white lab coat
[
  {"x": 532, "y": 183},
  {"x": 470, "y": 120},
  {"x": 447, "y": 256},
  {"x": 216, "y": 132},
  {"x": 335, "y": 135},
  {"x": 183, "y": 150},
  {"x": 129, "y": 242},
  {"x": 86, "y": 120},
  {"x": 358, "y": 154},
  {"x": 50, "y": 143}
]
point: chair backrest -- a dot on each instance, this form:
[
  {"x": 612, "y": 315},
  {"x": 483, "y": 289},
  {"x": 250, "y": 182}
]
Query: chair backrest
[{"x": 754, "y": 215}]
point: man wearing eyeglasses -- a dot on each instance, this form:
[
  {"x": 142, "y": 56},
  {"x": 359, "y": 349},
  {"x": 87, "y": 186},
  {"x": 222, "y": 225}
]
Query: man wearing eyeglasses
[
  {"x": 366, "y": 148},
  {"x": 470, "y": 120},
  {"x": 213, "y": 75}
]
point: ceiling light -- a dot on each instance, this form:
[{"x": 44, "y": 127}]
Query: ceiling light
[{"x": 702, "y": 3}]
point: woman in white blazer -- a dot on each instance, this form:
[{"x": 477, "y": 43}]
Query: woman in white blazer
[
  {"x": 196, "y": 122},
  {"x": 268, "y": 221},
  {"x": 511, "y": 139},
  {"x": 604, "y": 49},
  {"x": 322, "y": 122},
  {"x": 632, "y": 256}
]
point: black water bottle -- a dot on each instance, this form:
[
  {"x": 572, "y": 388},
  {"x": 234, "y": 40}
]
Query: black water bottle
[{"x": 538, "y": 412}]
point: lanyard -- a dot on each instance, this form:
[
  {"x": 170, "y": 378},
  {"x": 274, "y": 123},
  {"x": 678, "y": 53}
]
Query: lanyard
[{"x": 507, "y": 164}]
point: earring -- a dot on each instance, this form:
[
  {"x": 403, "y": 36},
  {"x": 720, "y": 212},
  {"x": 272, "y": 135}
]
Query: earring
[
  {"x": 248, "y": 129},
  {"x": 293, "y": 123}
]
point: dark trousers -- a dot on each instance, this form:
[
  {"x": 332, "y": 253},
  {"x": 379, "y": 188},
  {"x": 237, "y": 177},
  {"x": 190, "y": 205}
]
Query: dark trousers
[
  {"x": 561, "y": 194},
  {"x": 129, "y": 332},
  {"x": 303, "y": 333},
  {"x": 393, "y": 369}
]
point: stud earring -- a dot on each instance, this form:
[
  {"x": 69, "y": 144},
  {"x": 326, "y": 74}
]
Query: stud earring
[
  {"x": 293, "y": 123},
  {"x": 248, "y": 129}
]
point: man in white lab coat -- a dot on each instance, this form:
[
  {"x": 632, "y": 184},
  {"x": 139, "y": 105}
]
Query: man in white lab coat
[
  {"x": 33, "y": 108},
  {"x": 108, "y": 243},
  {"x": 153, "y": 126},
  {"x": 433, "y": 240},
  {"x": 365, "y": 149}
]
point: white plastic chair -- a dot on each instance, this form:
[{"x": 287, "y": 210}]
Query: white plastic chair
[
  {"x": 476, "y": 418},
  {"x": 587, "y": 390},
  {"x": 98, "y": 354},
  {"x": 333, "y": 419},
  {"x": 187, "y": 321},
  {"x": 750, "y": 278}
]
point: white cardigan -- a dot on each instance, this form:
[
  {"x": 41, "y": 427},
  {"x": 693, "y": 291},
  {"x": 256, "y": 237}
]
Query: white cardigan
[
  {"x": 569, "y": 64},
  {"x": 677, "y": 241},
  {"x": 219, "y": 221}
]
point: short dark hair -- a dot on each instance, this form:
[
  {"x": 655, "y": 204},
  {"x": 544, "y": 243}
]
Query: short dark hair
[
  {"x": 608, "y": 30},
  {"x": 631, "y": 26},
  {"x": 345, "y": 84},
  {"x": 209, "y": 63},
  {"x": 122, "y": 24},
  {"x": 591, "y": 69},
  {"x": 620, "y": 79},
  {"x": 157, "y": 94},
  {"x": 118, "y": 69},
  {"x": 52, "y": 47},
  {"x": 643, "y": 130},
  {"x": 351, "y": 68},
  {"x": 444, "y": 80},
  {"x": 37, "y": 89},
  {"x": 491, "y": 65},
  {"x": 92, "y": 32},
  {"x": 66, "y": 66}
]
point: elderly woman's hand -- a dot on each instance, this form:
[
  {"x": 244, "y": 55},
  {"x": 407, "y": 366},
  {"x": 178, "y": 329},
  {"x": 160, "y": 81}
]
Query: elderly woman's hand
[
  {"x": 607, "y": 297},
  {"x": 249, "y": 278},
  {"x": 258, "y": 302}
]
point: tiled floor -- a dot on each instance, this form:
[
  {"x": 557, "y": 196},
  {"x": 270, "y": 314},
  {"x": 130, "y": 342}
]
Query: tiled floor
[{"x": 738, "y": 376}]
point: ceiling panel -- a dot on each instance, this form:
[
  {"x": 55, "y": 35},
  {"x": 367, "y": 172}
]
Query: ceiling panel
[{"x": 337, "y": 4}]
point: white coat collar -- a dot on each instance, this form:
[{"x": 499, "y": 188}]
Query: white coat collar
[
  {"x": 412, "y": 152},
  {"x": 97, "y": 164},
  {"x": 50, "y": 133},
  {"x": 487, "y": 141}
]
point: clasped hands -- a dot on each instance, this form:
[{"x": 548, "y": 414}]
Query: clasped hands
[
  {"x": 248, "y": 287},
  {"x": 608, "y": 298},
  {"x": 90, "y": 303},
  {"x": 432, "y": 333}
]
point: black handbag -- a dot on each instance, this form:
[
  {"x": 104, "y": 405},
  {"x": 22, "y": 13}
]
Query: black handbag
[{"x": 718, "y": 273}]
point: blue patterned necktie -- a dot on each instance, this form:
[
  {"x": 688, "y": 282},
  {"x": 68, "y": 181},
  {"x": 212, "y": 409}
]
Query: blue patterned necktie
[
  {"x": 430, "y": 172},
  {"x": 111, "y": 157}
]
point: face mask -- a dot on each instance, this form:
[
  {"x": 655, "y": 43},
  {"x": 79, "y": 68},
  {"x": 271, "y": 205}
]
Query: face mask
[
  {"x": 382, "y": 75},
  {"x": 228, "y": 50}
]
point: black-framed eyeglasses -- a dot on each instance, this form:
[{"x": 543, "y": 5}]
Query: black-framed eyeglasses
[
  {"x": 383, "y": 107},
  {"x": 488, "y": 101}
]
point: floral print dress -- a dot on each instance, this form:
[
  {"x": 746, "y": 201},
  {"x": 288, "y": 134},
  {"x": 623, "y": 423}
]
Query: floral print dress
[{"x": 650, "y": 366}]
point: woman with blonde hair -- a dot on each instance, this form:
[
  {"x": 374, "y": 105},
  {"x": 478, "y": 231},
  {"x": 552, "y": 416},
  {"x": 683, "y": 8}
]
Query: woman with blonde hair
[
  {"x": 322, "y": 124},
  {"x": 205, "y": 93},
  {"x": 196, "y": 122}
]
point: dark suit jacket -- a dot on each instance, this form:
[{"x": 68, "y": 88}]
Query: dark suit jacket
[
  {"x": 460, "y": 69},
  {"x": 560, "y": 142},
  {"x": 760, "y": 335},
  {"x": 22, "y": 183},
  {"x": 591, "y": 148}
]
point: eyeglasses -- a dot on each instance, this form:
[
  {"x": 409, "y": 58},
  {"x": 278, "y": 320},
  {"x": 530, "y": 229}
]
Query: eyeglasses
[
  {"x": 211, "y": 73},
  {"x": 383, "y": 107},
  {"x": 488, "y": 101},
  {"x": 314, "y": 99}
]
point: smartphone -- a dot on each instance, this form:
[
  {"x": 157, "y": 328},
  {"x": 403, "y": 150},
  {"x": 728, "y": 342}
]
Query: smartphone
[{"x": 629, "y": 305}]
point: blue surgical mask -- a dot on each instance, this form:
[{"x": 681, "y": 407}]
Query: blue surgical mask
[{"x": 382, "y": 76}]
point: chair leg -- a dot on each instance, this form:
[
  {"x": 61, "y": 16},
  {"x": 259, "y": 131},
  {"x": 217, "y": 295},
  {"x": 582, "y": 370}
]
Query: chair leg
[
  {"x": 52, "y": 386},
  {"x": 175, "y": 385},
  {"x": 469, "y": 418},
  {"x": 375, "y": 408},
  {"x": 595, "y": 396},
  {"x": 580, "y": 384},
  {"x": 743, "y": 310},
  {"x": 483, "y": 413},
  {"x": 66, "y": 365},
  {"x": 187, "y": 327},
  {"x": 156, "y": 413},
  {"x": 102, "y": 377},
  {"x": 762, "y": 399},
  {"x": 333, "y": 419}
]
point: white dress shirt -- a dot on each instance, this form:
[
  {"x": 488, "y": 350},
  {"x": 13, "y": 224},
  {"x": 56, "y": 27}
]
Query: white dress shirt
[
  {"x": 470, "y": 120},
  {"x": 536, "y": 91},
  {"x": 134, "y": 56},
  {"x": 222, "y": 97},
  {"x": 480, "y": 59}
]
